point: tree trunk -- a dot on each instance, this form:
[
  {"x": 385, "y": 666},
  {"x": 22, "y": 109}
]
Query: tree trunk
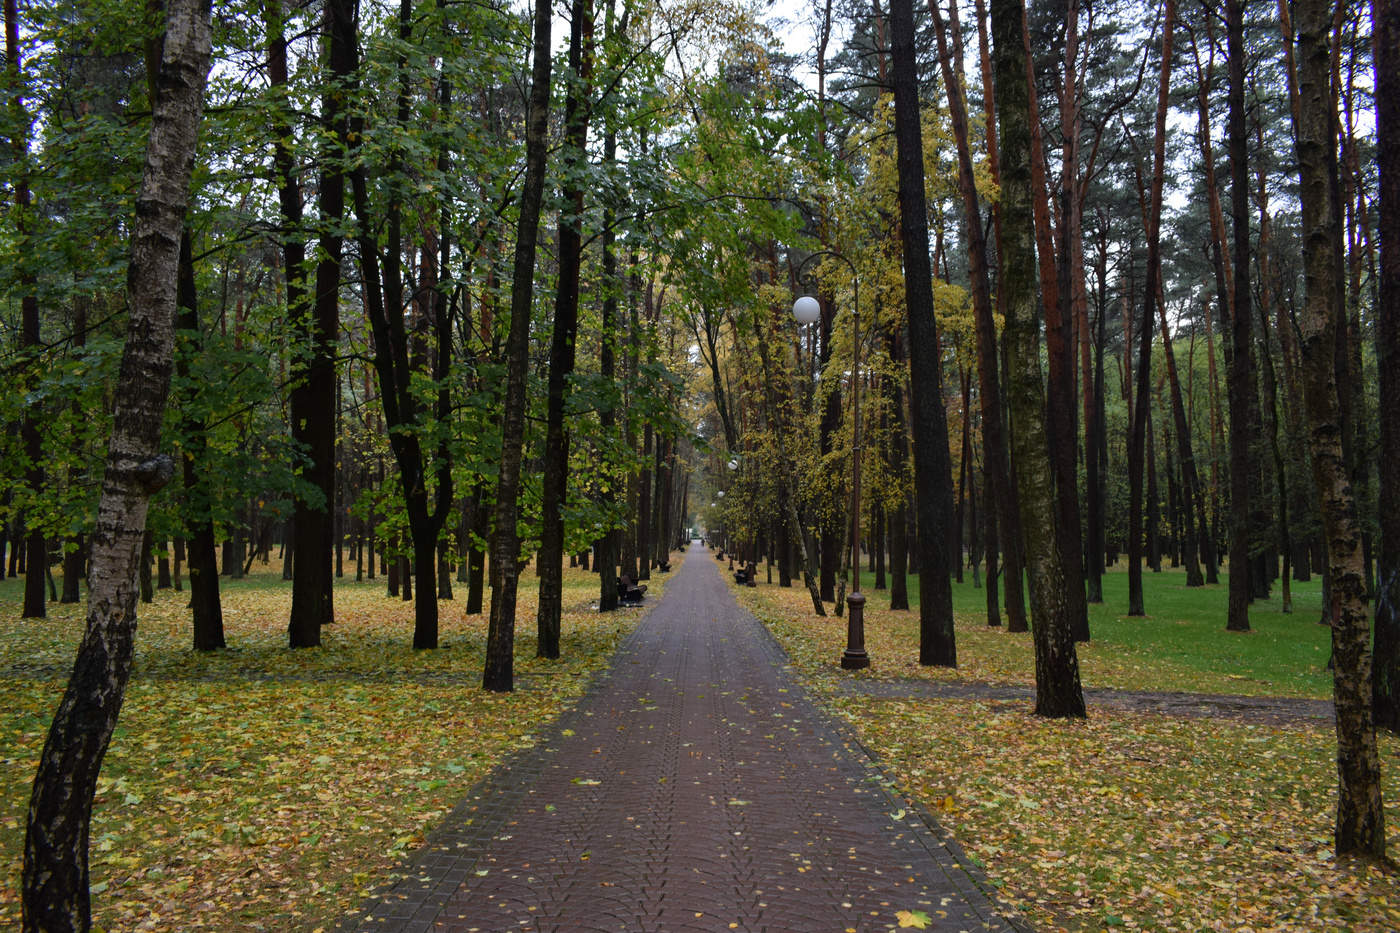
[
  {"x": 1059, "y": 340},
  {"x": 1386, "y": 18},
  {"x": 206, "y": 609},
  {"x": 1142, "y": 401},
  {"x": 394, "y": 361},
  {"x": 645, "y": 545},
  {"x": 555, "y": 483},
  {"x": 313, "y": 399},
  {"x": 55, "y": 895},
  {"x": 74, "y": 569},
  {"x": 775, "y": 416},
  {"x": 932, "y": 467},
  {"x": 476, "y": 556},
  {"x": 1001, "y": 484},
  {"x": 499, "y": 670},
  {"x": 1058, "y": 692},
  {"x": 1360, "y": 828},
  {"x": 1193, "y": 528},
  {"x": 1240, "y": 372},
  {"x": 37, "y": 559},
  {"x": 1152, "y": 504},
  {"x": 964, "y": 468}
]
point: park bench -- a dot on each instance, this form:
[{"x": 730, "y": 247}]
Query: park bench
[
  {"x": 744, "y": 574},
  {"x": 629, "y": 592}
]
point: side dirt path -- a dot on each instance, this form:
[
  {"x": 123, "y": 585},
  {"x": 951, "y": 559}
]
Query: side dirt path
[
  {"x": 695, "y": 788},
  {"x": 1270, "y": 711}
]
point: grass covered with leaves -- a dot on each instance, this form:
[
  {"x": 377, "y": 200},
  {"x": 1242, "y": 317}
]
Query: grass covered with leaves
[
  {"x": 260, "y": 788},
  {"x": 1126, "y": 821}
]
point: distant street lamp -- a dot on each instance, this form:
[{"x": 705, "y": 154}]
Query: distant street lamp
[{"x": 806, "y": 310}]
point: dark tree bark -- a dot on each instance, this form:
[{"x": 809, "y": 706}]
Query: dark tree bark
[
  {"x": 1095, "y": 439},
  {"x": 499, "y": 671},
  {"x": 932, "y": 464},
  {"x": 144, "y": 574},
  {"x": 394, "y": 365},
  {"x": 776, "y": 414},
  {"x": 1239, "y": 371},
  {"x": 995, "y": 451},
  {"x": 565, "y": 328},
  {"x": 645, "y": 546},
  {"x": 1271, "y": 393},
  {"x": 990, "y": 360},
  {"x": 898, "y": 517},
  {"x": 36, "y": 562},
  {"x": 75, "y": 569},
  {"x": 1058, "y": 692},
  {"x": 205, "y": 606},
  {"x": 1386, "y": 18},
  {"x": 1153, "y": 504},
  {"x": 1360, "y": 828},
  {"x": 1193, "y": 527},
  {"x": 313, "y": 398},
  {"x": 479, "y": 522},
  {"x": 1142, "y": 401},
  {"x": 75, "y": 549},
  {"x": 1059, "y": 341},
  {"x": 609, "y": 545},
  {"x": 54, "y": 885}
]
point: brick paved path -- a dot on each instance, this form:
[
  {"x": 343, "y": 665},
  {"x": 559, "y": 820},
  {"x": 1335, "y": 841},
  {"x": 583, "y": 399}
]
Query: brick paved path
[{"x": 695, "y": 788}]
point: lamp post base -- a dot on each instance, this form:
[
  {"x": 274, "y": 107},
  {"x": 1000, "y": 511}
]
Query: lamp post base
[{"x": 854, "y": 657}]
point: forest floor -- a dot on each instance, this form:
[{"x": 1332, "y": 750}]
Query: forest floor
[
  {"x": 1198, "y": 795},
  {"x": 260, "y": 788},
  {"x": 264, "y": 789},
  {"x": 1269, "y": 711}
]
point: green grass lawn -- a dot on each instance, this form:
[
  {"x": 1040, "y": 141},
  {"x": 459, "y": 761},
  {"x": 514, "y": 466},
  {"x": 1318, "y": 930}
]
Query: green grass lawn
[
  {"x": 260, "y": 788},
  {"x": 1181, "y": 644}
]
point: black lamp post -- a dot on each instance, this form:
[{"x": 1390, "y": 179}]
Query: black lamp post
[{"x": 807, "y": 309}]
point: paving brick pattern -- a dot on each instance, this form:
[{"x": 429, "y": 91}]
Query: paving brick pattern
[{"x": 695, "y": 788}]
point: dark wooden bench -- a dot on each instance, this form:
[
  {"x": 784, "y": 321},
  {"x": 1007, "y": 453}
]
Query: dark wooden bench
[
  {"x": 664, "y": 566},
  {"x": 629, "y": 592},
  {"x": 743, "y": 575}
]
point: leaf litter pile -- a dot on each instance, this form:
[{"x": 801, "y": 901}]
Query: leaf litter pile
[
  {"x": 1132, "y": 821},
  {"x": 261, "y": 788}
]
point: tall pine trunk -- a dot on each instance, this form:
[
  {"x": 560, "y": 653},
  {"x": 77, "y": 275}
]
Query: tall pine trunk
[
  {"x": 1386, "y": 675},
  {"x": 1058, "y": 692},
  {"x": 1239, "y": 371},
  {"x": 989, "y": 389},
  {"x": 1142, "y": 400},
  {"x": 932, "y": 463}
]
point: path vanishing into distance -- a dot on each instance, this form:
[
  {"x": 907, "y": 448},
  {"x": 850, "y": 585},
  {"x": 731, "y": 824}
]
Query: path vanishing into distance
[{"x": 695, "y": 787}]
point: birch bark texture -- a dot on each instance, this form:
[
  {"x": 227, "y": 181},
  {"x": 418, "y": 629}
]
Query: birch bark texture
[
  {"x": 55, "y": 875},
  {"x": 1360, "y": 829}
]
